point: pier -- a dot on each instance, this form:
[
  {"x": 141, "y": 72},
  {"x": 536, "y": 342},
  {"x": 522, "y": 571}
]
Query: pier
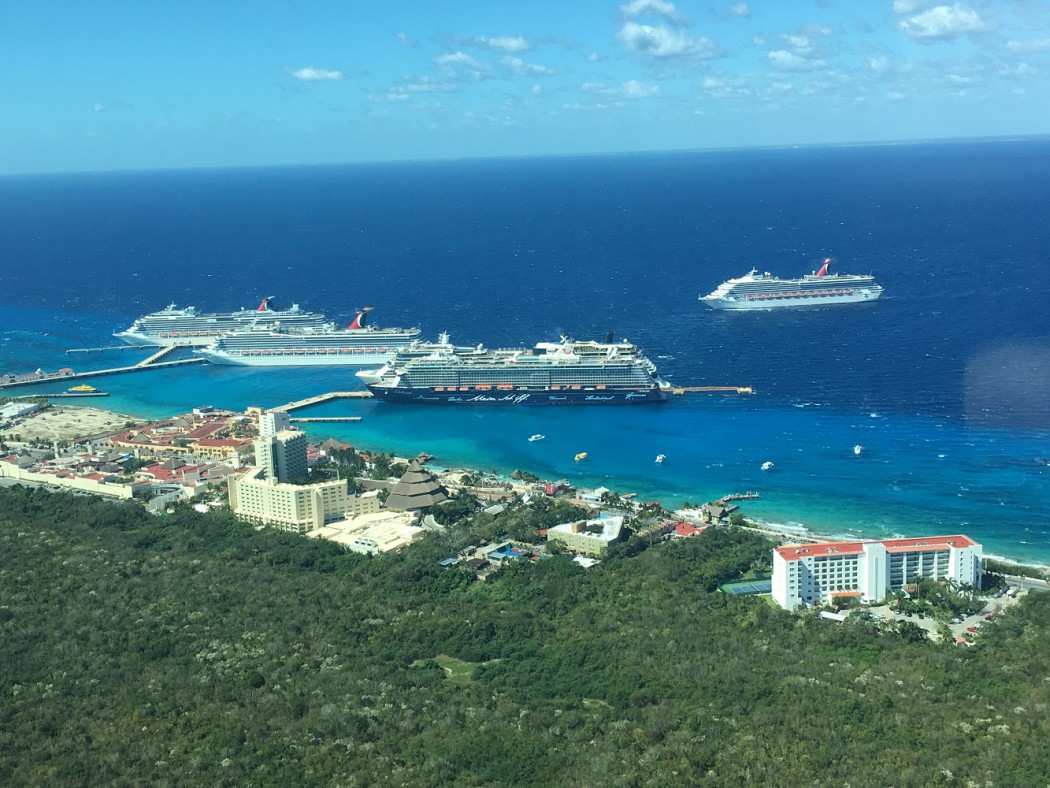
[
  {"x": 324, "y": 418},
  {"x": 305, "y": 403},
  {"x": 157, "y": 356},
  {"x": 149, "y": 363},
  {"x": 744, "y": 496},
  {"x": 108, "y": 347},
  {"x": 705, "y": 389},
  {"x": 64, "y": 395}
]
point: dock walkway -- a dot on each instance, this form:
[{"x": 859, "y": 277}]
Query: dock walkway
[
  {"x": 95, "y": 373},
  {"x": 304, "y": 403}
]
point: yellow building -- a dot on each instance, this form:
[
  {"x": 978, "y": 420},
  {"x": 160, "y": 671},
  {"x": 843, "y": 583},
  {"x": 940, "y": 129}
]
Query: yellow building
[{"x": 587, "y": 537}]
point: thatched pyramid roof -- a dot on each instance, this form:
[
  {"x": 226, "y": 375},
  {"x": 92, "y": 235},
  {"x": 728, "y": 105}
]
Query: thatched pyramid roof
[{"x": 416, "y": 490}]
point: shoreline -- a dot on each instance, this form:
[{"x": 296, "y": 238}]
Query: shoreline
[{"x": 70, "y": 422}]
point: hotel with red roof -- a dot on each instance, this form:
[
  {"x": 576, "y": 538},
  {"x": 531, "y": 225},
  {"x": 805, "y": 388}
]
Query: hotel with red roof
[{"x": 810, "y": 574}]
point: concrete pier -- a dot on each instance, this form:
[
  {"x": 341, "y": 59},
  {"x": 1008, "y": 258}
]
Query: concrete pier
[
  {"x": 303, "y": 403},
  {"x": 95, "y": 373}
]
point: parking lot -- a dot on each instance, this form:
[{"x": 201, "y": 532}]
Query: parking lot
[{"x": 995, "y": 606}]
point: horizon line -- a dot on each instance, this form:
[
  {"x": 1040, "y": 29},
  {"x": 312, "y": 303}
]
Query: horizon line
[{"x": 527, "y": 156}]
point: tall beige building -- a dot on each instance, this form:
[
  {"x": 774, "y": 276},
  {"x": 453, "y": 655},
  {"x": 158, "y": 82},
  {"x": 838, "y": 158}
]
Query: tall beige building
[
  {"x": 282, "y": 455},
  {"x": 295, "y": 507}
]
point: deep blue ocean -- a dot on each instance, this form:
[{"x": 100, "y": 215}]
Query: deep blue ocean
[{"x": 945, "y": 381}]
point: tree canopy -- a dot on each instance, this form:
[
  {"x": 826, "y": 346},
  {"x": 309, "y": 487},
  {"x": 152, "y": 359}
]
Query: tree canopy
[{"x": 193, "y": 649}]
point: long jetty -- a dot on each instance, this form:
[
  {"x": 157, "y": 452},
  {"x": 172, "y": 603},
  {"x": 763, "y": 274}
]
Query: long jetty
[
  {"x": 324, "y": 418},
  {"x": 95, "y": 373},
  {"x": 305, "y": 403}
]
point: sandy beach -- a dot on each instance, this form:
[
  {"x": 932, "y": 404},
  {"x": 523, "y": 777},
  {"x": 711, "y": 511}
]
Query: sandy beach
[{"x": 64, "y": 423}]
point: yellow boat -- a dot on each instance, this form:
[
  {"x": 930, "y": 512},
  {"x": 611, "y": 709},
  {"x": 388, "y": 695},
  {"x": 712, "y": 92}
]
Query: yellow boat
[
  {"x": 82, "y": 389},
  {"x": 581, "y": 456}
]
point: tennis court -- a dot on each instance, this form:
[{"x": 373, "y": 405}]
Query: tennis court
[{"x": 748, "y": 587}]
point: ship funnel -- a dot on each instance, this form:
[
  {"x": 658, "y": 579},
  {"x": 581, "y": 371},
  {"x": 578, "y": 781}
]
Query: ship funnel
[{"x": 609, "y": 338}]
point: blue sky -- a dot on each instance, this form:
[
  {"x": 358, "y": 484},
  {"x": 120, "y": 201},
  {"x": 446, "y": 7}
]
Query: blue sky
[{"x": 106, "y": 85}]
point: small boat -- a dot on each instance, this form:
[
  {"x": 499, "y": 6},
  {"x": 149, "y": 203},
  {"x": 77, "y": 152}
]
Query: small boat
[
  {"x": 858, "y": 449},
  {"x": 83, "y": 388},
  {"x": 536, "y": 437},
  {"x": 767, "y": 465},
  {"x": 581, "y": 456},
  {"x": 661, "y": 457}
]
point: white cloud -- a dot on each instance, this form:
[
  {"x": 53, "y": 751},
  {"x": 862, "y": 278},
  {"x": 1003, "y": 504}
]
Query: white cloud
[
  {"x": 632, "y": 89},
  {"x": 660, "y": 8},
  {"x": 1031, "y": 45},
  {"x": 1020, "y": 70},
  {"x": 880, "y": 65},
  {"x": 942, "y": 22},
  {"x": 594, "y": 57},
  {"x": 740, "y": 9},
  {"x": 459, "y": 64},
  {"x": 959, "y": 79},
  {"x": 790, "y": 61},
  {"x": 661, "y": 42},
  {"x": 496, "y": 43},
  {"x": 99, "y": 107},
  {"x": 424, "y": 84},
  {"x": 311, "y": 74},
  {"x": 520, "y": 67},
  {"x": 407, "y": 40}
]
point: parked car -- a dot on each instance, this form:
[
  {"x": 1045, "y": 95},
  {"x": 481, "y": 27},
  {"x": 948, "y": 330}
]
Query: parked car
[{"x": 971, "y": 629}]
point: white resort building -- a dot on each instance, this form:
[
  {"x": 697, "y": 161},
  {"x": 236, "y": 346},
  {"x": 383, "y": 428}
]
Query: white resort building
[
  {"x": 295, "y": 507},
  {"x": 811, "y": 574}
]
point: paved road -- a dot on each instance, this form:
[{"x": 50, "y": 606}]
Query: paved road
[{"x": 1028, "y": 583}]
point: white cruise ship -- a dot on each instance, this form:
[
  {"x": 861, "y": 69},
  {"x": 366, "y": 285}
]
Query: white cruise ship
[
  {"x": 765, "y": 291},
  {"x": 187, "y": 326},
  {"x": 553, "y": 373},
  {"x": 357, "y": 345}
]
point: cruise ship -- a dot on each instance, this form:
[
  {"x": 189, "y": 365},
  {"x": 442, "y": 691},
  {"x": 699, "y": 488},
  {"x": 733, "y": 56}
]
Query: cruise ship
[
  {"x": 765, "y": 291},
  {"x": 553, "y": 373},
  {"x": 356, "y": 345},
  {"x": 187, "y": 326}
]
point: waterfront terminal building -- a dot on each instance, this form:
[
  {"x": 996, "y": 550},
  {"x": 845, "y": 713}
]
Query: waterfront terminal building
[{"x": 827, "y": 572}]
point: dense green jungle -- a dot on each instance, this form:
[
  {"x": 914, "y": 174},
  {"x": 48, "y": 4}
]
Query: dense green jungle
[{"x": 192, "y": 649}]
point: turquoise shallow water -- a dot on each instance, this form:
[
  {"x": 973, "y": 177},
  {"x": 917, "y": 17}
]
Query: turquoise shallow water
[{"x": 915, "y": 474}]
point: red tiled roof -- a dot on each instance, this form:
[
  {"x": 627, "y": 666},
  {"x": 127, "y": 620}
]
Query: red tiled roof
[
  {"x": 687, "y": 529},
  {"x": 797, "y": 552},
  {"x": 927, "y": 543}
]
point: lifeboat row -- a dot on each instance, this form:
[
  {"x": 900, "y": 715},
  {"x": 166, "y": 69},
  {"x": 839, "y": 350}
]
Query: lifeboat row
[{"x": 808, "y": 294}]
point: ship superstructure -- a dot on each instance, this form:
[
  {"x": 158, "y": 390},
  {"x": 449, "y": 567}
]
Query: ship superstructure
[
  {"x": 765, "y": 291},
  {"x": 356, "y": 345},
  {"x": 565, "y": 372},
  {"x": 187, "y": 326}
]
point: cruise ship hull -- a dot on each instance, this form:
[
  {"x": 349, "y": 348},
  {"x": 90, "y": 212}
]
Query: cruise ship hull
[
  {"x": 291, "y": 358},
  {"x": 518, "y": 396},
  {"x": 788, "y": 300}
]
